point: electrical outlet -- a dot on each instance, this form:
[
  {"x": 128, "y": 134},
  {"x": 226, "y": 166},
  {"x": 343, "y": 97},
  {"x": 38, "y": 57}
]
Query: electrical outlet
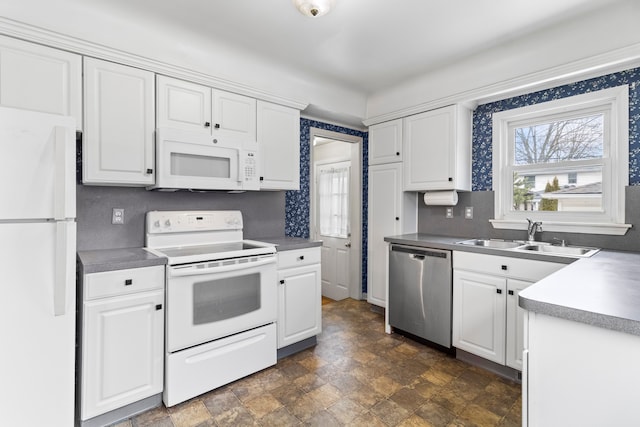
[
  {"x": 117, "y": 216},
  {"x": 468, "y": 212},
  {"x": 448, "y": 212}
]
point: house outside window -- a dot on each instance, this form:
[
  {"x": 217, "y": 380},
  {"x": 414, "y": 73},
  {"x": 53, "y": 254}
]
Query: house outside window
[{"x": 566, "y": 160}]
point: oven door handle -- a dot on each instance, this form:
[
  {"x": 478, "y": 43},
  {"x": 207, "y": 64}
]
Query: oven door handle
[{"x": 195, "y": 271}]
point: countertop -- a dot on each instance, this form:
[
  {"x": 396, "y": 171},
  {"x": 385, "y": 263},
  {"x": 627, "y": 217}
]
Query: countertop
[
  {"x": 97, "y": 261},
  {"x": 285, "y": 243},
  {"x": 603, "y": 290}
]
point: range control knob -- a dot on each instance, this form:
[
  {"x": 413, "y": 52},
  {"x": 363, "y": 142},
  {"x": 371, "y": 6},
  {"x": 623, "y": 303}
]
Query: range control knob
[
  {"x": 168, "y": 223},
  {"x": 156, "y": 224}
]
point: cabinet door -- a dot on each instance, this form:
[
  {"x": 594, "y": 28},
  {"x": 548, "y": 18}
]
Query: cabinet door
[
  {"x": 385, "y": 215},
  {"x": 299, "y": 304},
  {"x": 279, "y": 146},
  {"x": 234, "y": 120},
  {"x": 122, "y": 351},
  {"x": 385, "y": 142},
  {"x": 118, "y": 144},
  {"x": 183, "y": 105},
  {"x": 437, "y": 149},
  {"x": 515, "y": 323},
  {"x": 479, "y": 314},
  {"x": 39, "y": 78}
]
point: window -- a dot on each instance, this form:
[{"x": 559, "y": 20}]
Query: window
[
  {"x": 333, "y": 192},
  {"x": 564, "y": 163}
]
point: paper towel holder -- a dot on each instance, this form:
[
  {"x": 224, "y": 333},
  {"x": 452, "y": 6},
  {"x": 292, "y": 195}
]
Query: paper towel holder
[{"x": 441, "y": 198}]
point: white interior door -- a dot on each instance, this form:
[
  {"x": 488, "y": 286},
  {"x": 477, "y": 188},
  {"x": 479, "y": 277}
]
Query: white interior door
[{"x": 333, "y": 212}]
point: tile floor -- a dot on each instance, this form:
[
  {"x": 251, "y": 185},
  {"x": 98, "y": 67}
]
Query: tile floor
[{"x": 356, "y": 376}]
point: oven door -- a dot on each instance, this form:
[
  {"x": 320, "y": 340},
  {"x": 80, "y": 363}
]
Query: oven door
[
  {"x": 189, "y": 160},
  {"x": 214, "y": 299}
]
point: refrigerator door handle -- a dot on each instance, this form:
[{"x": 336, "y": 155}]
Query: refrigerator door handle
[
  {"x": 64, "y": 265},
  {"x": 64, "y": 186}
]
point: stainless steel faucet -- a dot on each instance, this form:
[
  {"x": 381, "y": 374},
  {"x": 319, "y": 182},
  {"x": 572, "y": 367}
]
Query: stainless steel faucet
[{"x": 532, "y": 229}]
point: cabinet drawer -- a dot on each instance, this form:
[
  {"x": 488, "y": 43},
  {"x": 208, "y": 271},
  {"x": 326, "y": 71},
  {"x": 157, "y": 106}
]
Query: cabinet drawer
[
  {"x": 121, "y": 282},
  {"x": 297, "y": 258},
  {"x": 532, "y": 270}
]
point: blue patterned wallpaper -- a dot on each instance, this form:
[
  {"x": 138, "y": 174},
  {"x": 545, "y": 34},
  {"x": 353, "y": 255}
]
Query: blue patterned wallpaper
[
  {"x": 483, "y": 128},
  {"x": 297, "y": 202}
]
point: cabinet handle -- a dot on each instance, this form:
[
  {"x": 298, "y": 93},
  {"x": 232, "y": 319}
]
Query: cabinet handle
[
  {"x": 397, "y": 153},
  {"x": 282, "y": 282},
  {"x": 504, "y": 267},
  {"x": 262, "y": 178},
  {"x": 499, "y": 291},
  {"x": 158, "y": 307},
  {"x": 128, "y": 282},
  {"x": 149, "y": 171},
  {"x": 510, "y": 292},
  {"x": 215, "y": 141},
  {"x": 207, "y": 124},
  {"x": 301, "y": 257},
  {"x": 397, "y": 218},
  {"x": 450, "y": 179},
  {"x": 217, "y": 126}
]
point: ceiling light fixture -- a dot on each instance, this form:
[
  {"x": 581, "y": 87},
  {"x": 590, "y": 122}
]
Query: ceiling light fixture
[{"x": 314, "y": 8}]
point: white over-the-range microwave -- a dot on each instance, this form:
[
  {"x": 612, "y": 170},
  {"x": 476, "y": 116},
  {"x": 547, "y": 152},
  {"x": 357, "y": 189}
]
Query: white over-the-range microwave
[{"x": 195, "y": 161}]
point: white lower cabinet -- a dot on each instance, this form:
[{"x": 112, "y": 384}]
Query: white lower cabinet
[
  {"x": 122, "y": 339},
  {"x": 299, "y": 295},
  {"x": 487, "y": 320}
]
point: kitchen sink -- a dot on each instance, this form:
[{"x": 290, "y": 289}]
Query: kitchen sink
[
  {"x": 493, "y": 243},
  {"x": 579, "y": 251},
  {"x": 533, "y": 247}
]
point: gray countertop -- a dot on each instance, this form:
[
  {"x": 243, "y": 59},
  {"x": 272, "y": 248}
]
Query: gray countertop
[
  {"x": 285, "y": 243},
  {"x": 97, "y": 261},
  {"x": 447, "y": 242},
  {"x": 603, "y": 290}
]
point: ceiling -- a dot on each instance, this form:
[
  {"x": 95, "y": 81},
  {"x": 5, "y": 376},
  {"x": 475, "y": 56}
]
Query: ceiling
[{"x": 368, "y": 45}]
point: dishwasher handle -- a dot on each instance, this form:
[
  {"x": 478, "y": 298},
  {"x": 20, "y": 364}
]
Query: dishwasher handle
[{"x": 420, "y": 253}]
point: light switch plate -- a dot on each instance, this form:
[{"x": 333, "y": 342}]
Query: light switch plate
[
  {"x": 448, "y": 212},
  {"x": 117, "y": 216},
  {"x": 468, "y": 212}
]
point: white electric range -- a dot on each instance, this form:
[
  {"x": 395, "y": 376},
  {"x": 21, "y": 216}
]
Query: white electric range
[{"x": 221, "y": 300}]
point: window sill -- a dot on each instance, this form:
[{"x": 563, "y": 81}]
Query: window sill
[{"x": 565, "y": 227}]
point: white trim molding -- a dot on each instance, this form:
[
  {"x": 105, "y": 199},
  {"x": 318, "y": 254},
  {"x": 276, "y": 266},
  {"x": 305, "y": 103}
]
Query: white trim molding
[
  {"x": 614, "y": 61},
  {"x": 613, "y": 103},
  {"x": 53, "y": 39}
]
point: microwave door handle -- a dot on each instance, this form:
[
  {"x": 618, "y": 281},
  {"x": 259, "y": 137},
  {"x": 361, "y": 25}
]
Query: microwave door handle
[
  {"x": 193, "y": 271},
  {"x": 240, "y": 165}
]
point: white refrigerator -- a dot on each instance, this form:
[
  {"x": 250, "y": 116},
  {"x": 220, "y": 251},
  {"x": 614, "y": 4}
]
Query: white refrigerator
[{"x": 37, "y": 260}]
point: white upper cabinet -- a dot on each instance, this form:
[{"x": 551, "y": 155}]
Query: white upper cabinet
[
  {"x": 279, "y": 146},
  {"x": 118, "y": 143},
  {"x": 385, "y": 142},
  {"x": 228, "y": 117},
  {"x": 38, "y": 78},
  {"x": 234, "y": 119},
  {"x": 183, "y": 105},
  {"x": 437, "y": 150}
]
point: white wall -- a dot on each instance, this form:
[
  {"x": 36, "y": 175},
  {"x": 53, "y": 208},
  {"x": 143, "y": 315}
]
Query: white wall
[
  {"x": 112, "y": 28},
  {"x": 479, "y": 76}
]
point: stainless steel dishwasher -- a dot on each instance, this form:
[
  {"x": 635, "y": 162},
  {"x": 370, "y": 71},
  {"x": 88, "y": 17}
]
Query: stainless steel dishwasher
[{"x": 420, "y": 292}]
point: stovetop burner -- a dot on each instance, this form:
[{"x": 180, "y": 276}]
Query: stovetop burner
[{"x": 196, "y": 236}]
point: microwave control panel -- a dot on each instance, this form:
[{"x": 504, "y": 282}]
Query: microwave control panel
[{"x": 248, "y": 168}]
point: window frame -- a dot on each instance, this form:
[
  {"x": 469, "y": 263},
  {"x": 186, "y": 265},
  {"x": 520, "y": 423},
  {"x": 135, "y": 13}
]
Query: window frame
[{"x": 614, "y": 102}]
